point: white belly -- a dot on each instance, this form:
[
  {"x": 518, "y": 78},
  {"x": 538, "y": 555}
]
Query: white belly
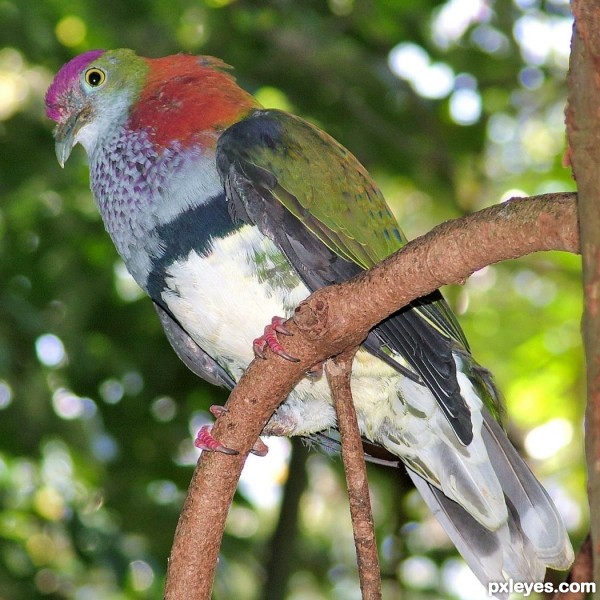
[{"x": 225, "y": 302}]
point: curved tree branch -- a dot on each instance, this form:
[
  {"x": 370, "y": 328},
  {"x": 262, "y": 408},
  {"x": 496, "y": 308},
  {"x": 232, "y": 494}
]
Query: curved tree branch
[{"x": 333, "y": 320}]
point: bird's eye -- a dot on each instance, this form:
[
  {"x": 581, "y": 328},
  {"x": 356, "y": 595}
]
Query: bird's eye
[{"x": 95, "y": 77}]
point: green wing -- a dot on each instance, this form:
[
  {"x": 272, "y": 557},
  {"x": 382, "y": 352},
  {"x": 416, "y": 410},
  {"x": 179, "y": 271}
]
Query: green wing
[{"x": 327, "y": 189}]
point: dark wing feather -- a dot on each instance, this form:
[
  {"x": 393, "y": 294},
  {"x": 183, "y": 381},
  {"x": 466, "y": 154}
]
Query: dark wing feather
[
  {"x": 430, "y": 354},
  {"x": 192, "y": 356}
]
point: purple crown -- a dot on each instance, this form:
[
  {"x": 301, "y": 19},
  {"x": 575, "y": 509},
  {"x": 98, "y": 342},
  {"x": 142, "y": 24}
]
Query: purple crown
[{"x": 64, "y": 80}]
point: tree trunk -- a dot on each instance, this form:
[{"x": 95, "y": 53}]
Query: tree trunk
[{"x": 583, "y": 130}]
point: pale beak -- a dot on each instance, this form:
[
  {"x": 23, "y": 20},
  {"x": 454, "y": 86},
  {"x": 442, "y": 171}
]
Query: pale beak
[{"x": 65, "y": 138}]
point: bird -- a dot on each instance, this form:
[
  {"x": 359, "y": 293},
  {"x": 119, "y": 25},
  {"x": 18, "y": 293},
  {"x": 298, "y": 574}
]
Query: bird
[{"x": 228, "y": 215}]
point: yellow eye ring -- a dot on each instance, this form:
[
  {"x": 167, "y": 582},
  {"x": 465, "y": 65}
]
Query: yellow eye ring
[{"x": 95, "y": 77}]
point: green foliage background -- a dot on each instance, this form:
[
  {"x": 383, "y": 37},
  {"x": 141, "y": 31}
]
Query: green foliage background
[{"x": 96, "y": 412}]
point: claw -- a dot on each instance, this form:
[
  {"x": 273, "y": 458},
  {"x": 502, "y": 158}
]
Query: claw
[
  {"x": 216, "y": 410},
  {"x": 277, "y": 325},
  {"x": 259, "y": 345},
  {"x": 205, "y": 441},
  {"x": 259, "y": 448},
  {"x": 269, "y": 339}
]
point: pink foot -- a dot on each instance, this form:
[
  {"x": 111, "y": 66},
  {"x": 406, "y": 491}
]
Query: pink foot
[
  {"x": 259, "y": 448},
  {"x": 269, "y": 339},
  {"x": 205, "y": 441}
]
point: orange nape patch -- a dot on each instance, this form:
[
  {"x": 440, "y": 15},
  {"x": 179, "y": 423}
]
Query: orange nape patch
[{"x": 189, "y": 100}]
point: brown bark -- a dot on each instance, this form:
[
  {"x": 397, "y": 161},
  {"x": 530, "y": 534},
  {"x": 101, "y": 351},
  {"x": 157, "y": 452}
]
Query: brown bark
[
  {"x": 338, "y": 375},
  {"x": 336, "y": 319},
  {"x": 583, "y": 130}
]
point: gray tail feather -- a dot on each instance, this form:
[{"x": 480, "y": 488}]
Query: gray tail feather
[
  {"x": 479, "y": 547},
  {"x": 533, "y": 537},
  {"x": 540, "y": 520}
]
